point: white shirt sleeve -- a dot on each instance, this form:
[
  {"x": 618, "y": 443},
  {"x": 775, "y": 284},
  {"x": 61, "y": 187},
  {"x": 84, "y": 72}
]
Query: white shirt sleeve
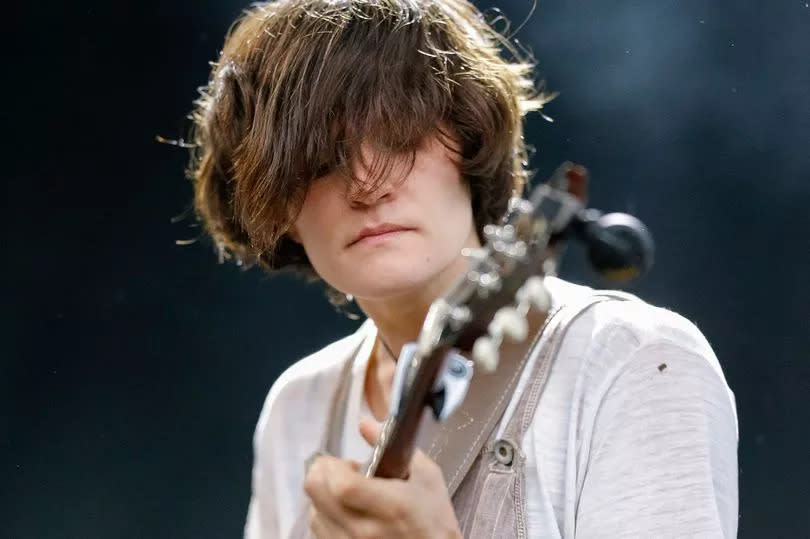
[
  {"x": 662, "y": 457},
  {"x": 289, "y": 430},
  {"x": 263, "y": 518},
  {"x": 283, "y": 439},
  {"x": 256, "y": 526}
]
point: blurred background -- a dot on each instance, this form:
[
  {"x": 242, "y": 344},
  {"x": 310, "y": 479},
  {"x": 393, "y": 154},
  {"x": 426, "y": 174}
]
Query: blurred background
[{"x": 134, "y": 369}]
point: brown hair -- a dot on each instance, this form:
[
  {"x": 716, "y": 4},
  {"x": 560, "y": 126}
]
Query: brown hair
[{"x": 301, "y": 84}]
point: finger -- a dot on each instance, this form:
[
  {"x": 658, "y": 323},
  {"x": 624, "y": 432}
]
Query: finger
[
  {"x": 324, "y": 527},
  {"x": 380, "y": 497},
  {"x": 423, "y": 462},
  {"x": 374, "y": 497},
  {"x": 424, "y": 470},
  {"x": 325, "y": 482},
  {"x": 370, "y": 430}
]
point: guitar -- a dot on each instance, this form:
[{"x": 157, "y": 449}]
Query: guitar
[{"x": 490, "y": 302}]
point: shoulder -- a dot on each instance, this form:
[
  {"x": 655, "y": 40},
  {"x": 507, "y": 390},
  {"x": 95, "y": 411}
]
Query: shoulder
[
  {"x": 627, "y": 324},
  {"x": 649, "y": 414},
  {"x": 630, "y": 350},
  {"x": 616, "y": 348},
  {"x": 308, "y": 382}
]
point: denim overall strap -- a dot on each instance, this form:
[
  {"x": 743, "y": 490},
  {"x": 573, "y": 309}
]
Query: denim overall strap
[
  {"x": 490, "y": 502},
  {"x": 330, "y": 443}
]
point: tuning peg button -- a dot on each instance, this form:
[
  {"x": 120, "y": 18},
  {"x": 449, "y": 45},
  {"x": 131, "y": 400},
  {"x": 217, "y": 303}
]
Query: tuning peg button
[
  {"x": 508, "y": 321},
  {"x": 476, "y": 254},
  {"x": 534, "y": 291},
  {"x": 485, "y": 353}
]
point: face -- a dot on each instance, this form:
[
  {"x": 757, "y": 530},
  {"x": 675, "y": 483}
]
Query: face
[{"x": 403, "y": 237}]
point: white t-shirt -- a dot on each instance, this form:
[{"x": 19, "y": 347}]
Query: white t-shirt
[{"x": 635, "y": 434}]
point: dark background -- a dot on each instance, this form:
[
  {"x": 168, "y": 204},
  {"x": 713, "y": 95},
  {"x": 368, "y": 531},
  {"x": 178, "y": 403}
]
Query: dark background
[{"x": 134, "y": 370}]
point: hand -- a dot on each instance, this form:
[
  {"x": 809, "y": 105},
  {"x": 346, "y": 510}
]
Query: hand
[{"x": 346, "y": 504}]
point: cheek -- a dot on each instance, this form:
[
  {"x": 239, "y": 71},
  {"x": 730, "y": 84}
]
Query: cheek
[
  {"x": 313, "y": 234},
  {"x": 456, "y": 204},
  {"x": 320, "y": 252},
  {"x": 317, "y": 231},
  {"x": 316, "y": 216}
]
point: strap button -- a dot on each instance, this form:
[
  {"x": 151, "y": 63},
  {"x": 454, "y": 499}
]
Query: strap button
[{"x": 504, "y": 452}]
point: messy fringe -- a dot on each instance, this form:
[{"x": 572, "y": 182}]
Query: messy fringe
[{"x": 300, "y": 85}]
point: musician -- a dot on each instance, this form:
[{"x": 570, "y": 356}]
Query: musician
[{"x": 366, "y": 143}]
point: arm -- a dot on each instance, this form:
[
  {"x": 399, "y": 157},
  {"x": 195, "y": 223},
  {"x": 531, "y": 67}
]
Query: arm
[
  {"x": 262, "y": 518},
  {"x": 258, "y": 525},
  {"x": 662, "y": 461},
  {"x": 281, "y": 440}
]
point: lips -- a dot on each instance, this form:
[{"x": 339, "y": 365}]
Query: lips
[{"x": 379, "y": 230}]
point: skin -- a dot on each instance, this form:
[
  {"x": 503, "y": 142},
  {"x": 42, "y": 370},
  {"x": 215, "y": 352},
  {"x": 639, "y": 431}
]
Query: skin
[
  {"x": 394, "y": 279},
  {"x": 347, "y": 504}
]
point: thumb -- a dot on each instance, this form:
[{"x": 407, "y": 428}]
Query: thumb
[{"x": 370, "y": 430}]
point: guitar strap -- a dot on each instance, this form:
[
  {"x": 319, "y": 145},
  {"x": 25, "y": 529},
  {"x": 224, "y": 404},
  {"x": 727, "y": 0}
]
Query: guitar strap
[{"x": 455, "y": 443}]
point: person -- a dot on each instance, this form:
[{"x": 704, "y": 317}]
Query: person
[{"x": 366, "y": 143}]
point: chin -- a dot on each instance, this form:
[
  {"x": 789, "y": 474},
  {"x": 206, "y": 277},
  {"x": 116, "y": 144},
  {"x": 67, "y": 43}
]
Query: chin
[
  {"x": 389, "y": 289},
  {"x": 387, "y": 284},
  {"x": 394, "y": 274}
]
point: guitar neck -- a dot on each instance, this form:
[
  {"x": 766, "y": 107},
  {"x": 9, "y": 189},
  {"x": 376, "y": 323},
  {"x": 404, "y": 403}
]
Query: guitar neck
[
  {"x": 395, "y": 446},
  {"x": 392, "y": 453}
]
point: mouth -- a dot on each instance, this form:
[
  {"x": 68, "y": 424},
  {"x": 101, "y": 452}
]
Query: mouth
[{"x": 378, "y": 234}]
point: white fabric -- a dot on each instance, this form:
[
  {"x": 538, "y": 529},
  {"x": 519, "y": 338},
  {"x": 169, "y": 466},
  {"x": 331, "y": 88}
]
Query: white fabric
[{"x": 635, "y": 434}]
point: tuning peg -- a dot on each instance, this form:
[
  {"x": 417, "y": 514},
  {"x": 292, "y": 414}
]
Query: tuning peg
[
  {"x": 520, "y": 205},
  {"x": 485, "y": 353},
  {"x": 534, "y": 291},
  {"x": 503, "y": 233},
  {"x": 508, "y": 321},
  {"x": 458, "y": 316},
  {"x": 474, "y": 253}
]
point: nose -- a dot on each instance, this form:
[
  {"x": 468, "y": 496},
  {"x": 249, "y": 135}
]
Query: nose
[
  {"x": 362, "y": 193},
  {"x": 372, "y": 187}
]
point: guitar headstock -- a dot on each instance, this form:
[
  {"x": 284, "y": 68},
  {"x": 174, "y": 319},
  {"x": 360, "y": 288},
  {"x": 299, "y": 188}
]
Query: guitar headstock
[{"x": 504, "y": 279}]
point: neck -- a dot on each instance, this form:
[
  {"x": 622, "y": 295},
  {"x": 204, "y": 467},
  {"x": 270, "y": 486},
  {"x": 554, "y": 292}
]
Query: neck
[{"x": 398, "y": 319}]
